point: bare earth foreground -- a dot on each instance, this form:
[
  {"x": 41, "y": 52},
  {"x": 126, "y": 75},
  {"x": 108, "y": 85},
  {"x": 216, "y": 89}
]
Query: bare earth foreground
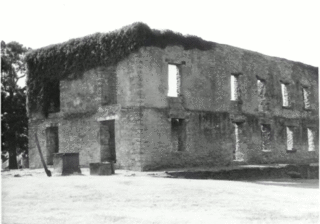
[{"x": 135, "y": 197}]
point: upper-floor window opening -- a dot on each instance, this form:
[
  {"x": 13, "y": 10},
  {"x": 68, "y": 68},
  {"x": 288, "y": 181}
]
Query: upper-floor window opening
[
  {"x": 109, "y": 88},
  {"x": 235, "y": 90},
  {"x": 261, "y": 84},
  {"x": 285, "y": 95},
  {"x": 306, "y": 98},
  {"x": 174, "y": 80},
  {"x": 54, "y": 100}
]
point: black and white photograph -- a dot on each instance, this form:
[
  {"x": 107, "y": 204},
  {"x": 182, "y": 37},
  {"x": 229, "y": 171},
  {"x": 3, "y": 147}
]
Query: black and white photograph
[{"x": 159, "y": 112}]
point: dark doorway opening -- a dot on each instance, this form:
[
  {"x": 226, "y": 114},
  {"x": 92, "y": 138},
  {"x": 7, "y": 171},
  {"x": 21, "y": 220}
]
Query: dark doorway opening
[
  {"x": 52, "y": 138},
  {"x": 178, "y": 133},
  {"x": 107, "y": 141}
]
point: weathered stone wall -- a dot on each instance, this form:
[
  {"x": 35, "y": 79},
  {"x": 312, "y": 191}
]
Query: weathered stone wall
[
  {"x": 129, "y": 97},
  {"x": 81, "y": 95},
  {"x": 205, "y": 83},
  {"x": 129, "y": 82},
  {"x": 75, "y": 135},
  {"x": 278, "y": 154},
  {"x": 128, "y": 149},
  {"x": 209, "y": 140},
  {"x": 134, "y": 94},
  {"x": 79, "y": 100},
  {"x": 84, "y": 103},
  {"x": 206, "y": 90}
]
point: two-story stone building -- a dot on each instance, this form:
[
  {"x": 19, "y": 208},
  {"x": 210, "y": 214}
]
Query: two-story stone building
[{"x": 170, "y": 103}]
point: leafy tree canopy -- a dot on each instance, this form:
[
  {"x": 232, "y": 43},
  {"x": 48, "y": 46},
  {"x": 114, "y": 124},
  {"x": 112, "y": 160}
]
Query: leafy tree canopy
[{"x": 14, "y": 121}]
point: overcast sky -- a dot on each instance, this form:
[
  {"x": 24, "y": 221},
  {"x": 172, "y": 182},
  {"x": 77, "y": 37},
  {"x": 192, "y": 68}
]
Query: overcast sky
[{"x": 286, "y": 29}]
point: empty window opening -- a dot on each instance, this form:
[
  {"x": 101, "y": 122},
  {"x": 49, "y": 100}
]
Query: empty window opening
[
  {"x": 174, "y": 80},
  {"x": 235, "y": 91},
  {"x": 107, "y": 141},
  {"x": 266, "y": 137},
  {"x": 311, "y": 140},
  {"x": 54, "y": 97},
  {"x": 261, "y": 95},
  {"x": 109, "y": 89},
  {"x": 306, "y": 98},
  {"x": 52, "y": 143},
  {"x": 290, "y": 138},
  {"x": 285, "y": 95},
  {"x": 237, "y": 155},
  {"x": 178, "y": 134}
]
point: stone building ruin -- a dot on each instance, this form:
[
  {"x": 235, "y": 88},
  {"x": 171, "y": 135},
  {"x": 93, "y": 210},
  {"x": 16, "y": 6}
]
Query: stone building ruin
[{"x": 223, "y": 105}]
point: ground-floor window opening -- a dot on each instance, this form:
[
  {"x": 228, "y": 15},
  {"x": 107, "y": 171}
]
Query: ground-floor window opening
[
  {"x": 290, "y": 138},
  {"x": 107, "y": 141},
  {"x": 178, "y": 134},
  {"x": 52, "y": 143},
  {"x": 237, "y": 154},
  {"x": 266, "y": 137},
  {"x": 311, "y": 140}
]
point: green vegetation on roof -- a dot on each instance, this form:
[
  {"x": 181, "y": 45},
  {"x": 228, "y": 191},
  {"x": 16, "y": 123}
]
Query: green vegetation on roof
[{"x": 68, "y": 60}]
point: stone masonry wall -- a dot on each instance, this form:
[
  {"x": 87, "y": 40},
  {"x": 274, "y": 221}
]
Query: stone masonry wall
[
  {"x": 206, "y": 75},
  {"x": 206, "y": 90},
  {"x": 84, "y": 103},
  {"x": 77, "y": 128},
  {"x": 209, "y": 140},
  {"x": 134, "y": 94},
  {"x": 82, "y": 95}
]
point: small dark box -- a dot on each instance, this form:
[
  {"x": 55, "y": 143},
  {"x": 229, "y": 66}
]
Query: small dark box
[{"x": 66, "y": 163}]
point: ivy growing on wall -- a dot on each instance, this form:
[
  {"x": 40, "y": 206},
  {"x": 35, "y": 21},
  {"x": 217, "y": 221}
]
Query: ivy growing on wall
[{"x": 68, "y": 60}]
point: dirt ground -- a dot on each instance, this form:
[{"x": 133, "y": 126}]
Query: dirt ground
[{"x": 29, "y": 196}]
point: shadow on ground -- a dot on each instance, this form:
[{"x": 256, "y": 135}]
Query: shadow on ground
[
  {"x": 303, "y": 176},
  {"x": 300, "y": 183}
]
